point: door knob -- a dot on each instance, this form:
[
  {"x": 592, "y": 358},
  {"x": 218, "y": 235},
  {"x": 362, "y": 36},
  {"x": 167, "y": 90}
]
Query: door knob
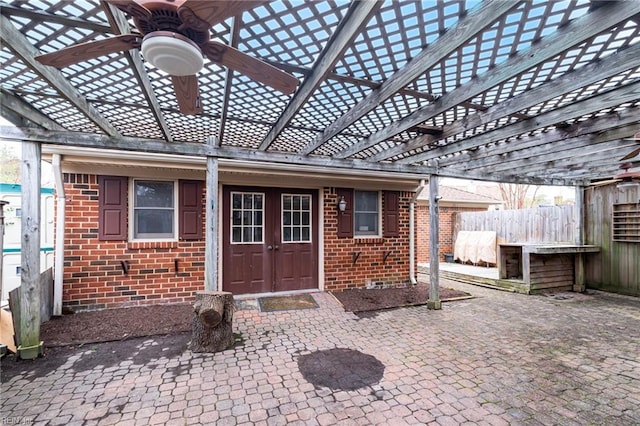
[
  {"x": 269, "y": 247},
  {"x": 276, "y": 247}
]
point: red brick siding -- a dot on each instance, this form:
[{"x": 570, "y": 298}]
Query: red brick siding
[
  {"x": 447, "y": 222},
  {"x": 94, "y": 276},
  {"x": 342, "y": 273}
]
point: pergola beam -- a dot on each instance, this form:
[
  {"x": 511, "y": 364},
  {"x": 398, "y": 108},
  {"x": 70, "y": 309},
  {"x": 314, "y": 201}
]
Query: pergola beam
[
  {"x": 477, "y": 20},
  {"x": 90, "y": 140},
  {"x": 584, "y": 146},
  {"x": 591, "y": 73},
  {"x": 16, "y": 106},
  {"x": 609, "y": 99},
  {"x": 9, "y": 10},
  {"x": 350, "y": 26},
  {"x": 18, "y": 43},
  {"x": 489, "y": 155},
  {"x": 574, "y": 33}
]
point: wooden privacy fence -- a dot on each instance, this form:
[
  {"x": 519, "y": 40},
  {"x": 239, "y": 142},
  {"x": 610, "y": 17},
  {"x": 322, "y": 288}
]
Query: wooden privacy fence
[{"x": 538, "y": 225}]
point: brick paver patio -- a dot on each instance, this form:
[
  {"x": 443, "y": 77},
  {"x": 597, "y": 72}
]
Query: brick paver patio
[{"x": 500, "y": 358}]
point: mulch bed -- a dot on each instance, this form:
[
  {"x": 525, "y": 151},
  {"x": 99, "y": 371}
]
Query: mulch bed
[
  {"x": 365, "y": 300},
  {"x": 116, "y": 324},
  {"x": 125, "y": 323}
]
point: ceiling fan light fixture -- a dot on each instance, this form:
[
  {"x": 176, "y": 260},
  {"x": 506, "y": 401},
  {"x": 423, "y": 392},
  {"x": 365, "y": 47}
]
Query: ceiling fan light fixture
[{"x": 172, "y": 53}]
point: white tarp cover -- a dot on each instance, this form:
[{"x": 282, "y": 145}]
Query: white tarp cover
[{"x": 476, "y": 247}]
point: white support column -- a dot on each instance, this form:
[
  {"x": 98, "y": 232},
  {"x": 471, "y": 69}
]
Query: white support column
[
  {"x": 211, "y": 223},
  {"x": 434, "y": 246},
  {"x": 30, "y": 345},
  {"x": 61, "y": 211}
]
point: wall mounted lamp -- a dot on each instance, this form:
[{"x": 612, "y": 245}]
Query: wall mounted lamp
[{"x": 342, "y": 204}]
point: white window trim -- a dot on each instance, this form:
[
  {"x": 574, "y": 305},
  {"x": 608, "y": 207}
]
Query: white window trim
[
  {"x": 264, "y": 199},
  {"x": 131, "y": 211},
  {"x": 310, "y": 241},
  {"x": 355, "y": 231}
]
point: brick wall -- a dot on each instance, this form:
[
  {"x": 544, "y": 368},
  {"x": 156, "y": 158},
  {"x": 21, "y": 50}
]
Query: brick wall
[
  {"x": 94, "y": 274},
  {"x": 342, "y": 271},
  {"x": 447, "y": 222}
]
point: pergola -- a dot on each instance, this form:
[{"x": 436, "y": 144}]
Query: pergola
[{"x": 537, "y": 92}]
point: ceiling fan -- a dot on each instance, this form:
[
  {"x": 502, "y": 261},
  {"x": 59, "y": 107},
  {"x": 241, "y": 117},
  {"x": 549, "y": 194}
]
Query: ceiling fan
[
  {"x": 175, "y": 36},
  {"x": 636, "y": 151}
]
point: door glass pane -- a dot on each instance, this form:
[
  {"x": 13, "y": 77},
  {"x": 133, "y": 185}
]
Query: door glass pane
[
  {"x": 248, "y": 201},
  {"x": 236, "y": 202},
  {"x": 247, "y": 217},
  {"x": 237, "y": 218},
  {"x": 257, "y": 234},
  {"x": 296, "y": 218}
]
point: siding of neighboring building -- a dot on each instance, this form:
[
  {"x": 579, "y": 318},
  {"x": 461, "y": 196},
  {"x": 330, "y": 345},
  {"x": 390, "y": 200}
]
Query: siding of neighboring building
[{"x": 11, "y": 250}]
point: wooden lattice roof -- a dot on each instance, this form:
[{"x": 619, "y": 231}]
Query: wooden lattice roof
[{"x": 534, "y": 91}]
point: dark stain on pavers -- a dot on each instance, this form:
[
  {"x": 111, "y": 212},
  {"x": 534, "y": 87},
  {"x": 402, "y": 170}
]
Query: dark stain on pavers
[
  {"x": 140, "y": 350},
  {"x": 340, "y": 369}
]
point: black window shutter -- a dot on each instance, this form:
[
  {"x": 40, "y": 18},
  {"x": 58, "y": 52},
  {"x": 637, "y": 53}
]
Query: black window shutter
[
  {"x": 391, "y": 217},
  {"x": 112, "y": 208},
  {"x": 190, "y": 209},
  {"x": 345, "y": 219}
]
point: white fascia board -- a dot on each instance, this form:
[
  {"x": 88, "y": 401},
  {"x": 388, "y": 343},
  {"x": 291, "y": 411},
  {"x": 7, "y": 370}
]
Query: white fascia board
[{"x": 82, "y": 160}]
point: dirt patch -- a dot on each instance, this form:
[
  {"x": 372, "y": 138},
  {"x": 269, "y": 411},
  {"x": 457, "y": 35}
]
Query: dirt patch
[{"x": 364, "y": 300}]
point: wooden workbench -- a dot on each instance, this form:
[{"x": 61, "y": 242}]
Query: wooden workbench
[{"x": 544, "y": 267}]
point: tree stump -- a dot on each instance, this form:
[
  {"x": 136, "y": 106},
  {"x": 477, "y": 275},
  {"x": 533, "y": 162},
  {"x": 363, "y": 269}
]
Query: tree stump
[{"x": 212, "y": 321}]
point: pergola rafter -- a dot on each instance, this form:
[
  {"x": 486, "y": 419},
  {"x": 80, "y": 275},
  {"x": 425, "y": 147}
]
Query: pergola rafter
[
  {"x": 612, "y": 98},
  {"x": 120, "y": 26},
  {"x": 568, "y": 36},
  {"x": 19, "y": 44},
  {"x": 589, "y": 74},
  {"x": 466, "y": 29}
]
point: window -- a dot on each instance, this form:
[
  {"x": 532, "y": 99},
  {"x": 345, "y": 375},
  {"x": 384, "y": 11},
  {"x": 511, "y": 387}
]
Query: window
[
  {"x": 154, "y": 214},
  {"x": 296, "y": 218},
  {"x": 247, "y": 217},
  {"x": 157, "y": 210},
  {"x": 366, "y": 213}
]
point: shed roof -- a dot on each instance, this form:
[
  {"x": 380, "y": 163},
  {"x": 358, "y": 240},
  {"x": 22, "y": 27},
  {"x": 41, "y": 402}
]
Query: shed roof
[
  {"x": 540, "y": 91},
  {"x": 452, "y": 194}
]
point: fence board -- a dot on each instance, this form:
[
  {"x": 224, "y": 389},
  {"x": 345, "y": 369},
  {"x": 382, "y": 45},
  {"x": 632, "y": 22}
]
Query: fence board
[{"x": 539, "y": 225}]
